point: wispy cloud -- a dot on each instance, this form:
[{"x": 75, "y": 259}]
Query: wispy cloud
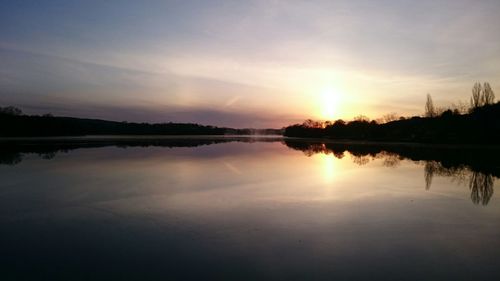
[
  {"x": 239, "y": 58},
  {"x": 232, "y": 101}
]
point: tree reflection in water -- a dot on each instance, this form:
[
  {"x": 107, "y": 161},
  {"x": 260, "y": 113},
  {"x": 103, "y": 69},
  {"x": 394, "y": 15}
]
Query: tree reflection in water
[
  {"x": 481, "y": 186},
  {"x": 477, "y": 168}
]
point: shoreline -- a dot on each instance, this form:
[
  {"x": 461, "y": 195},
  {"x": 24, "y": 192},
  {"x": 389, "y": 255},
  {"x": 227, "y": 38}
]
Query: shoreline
[
  {"x": 395, "y": 143},
  {"x": 124, "y": 138},
  {"x": 117, "y": 139}
]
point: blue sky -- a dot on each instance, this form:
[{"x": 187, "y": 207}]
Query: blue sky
[{"x": 244, "y": 63}]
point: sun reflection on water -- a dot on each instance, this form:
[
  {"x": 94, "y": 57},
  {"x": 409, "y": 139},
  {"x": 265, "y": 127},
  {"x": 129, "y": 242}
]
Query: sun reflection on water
[{"x": 328, "y": 163}]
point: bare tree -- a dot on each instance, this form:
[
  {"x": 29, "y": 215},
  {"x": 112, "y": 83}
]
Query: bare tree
[
  {"x": 430, "y": 111},
  {"x": 309, "y": 123},
  {"x": 460, "y": 107},
  {"x": 488, "y": 96},
  {"x": 389, "y": 117},
  {"x": 476, "y": 100},
  {"x": 362, "y": 118},
  {"x": 439, "y": 110}
]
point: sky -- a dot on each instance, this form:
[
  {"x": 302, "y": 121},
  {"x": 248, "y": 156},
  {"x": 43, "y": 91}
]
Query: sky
[{"x": 244, "y": 63}]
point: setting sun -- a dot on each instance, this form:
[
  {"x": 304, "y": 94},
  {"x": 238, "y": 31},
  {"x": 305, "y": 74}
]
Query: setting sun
[{"x": 330, "y": 103}]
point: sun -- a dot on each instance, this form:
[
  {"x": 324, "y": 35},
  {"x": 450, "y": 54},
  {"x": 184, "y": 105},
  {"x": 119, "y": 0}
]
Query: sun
[{"x": 330, "y": 103}]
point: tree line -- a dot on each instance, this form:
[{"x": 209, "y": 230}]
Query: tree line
[
  {"x": 475, "y": 123},
  {"x": 14, "y": 123},
  {"x": 481, "y": 96}
]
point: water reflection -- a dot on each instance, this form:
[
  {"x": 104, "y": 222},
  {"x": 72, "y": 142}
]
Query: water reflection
[
  {"x": 246, "y": 209},
  {"x": 472, "y": 166},
  {"x": 480, "y": 184},
  {"x": 12, "y": 151},
  {"x": 476, "y": 167},
  {"x": 481, "y": 187}
]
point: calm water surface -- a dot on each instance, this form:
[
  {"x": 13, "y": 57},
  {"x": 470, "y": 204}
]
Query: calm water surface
[{"x": 246, "y": 211}]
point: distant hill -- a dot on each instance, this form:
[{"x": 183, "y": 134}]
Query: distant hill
[
  {"x": 14, "y": 124},
  {"x": 482, "y": 125}
]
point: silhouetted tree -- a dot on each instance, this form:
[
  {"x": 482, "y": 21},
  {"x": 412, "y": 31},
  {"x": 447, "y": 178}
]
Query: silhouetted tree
[
  {"x": 362, "y": 118},
  {"x": 309, "y": 123},
  {"x": 11, "y": 110},
  {"x": 450, "y": 126},
  {"x": 339, "y": 122},
  {"x": 12, "y": 124},
  {"x": 460, "y": 107},
  {"x": 488, "y": 96},
  {"x": 447, "y": 113},
  {"x": 476, "y": 100},
  {"x": 389, "y": 118},
  {"x": 430, "y": 111}
]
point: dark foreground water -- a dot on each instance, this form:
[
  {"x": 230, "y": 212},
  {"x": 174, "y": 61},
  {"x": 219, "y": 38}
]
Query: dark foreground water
[{"x": 238, "y": 210}]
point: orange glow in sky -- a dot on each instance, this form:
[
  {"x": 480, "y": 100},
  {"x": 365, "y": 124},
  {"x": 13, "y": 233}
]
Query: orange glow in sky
[{"x": 245, "y": 63}]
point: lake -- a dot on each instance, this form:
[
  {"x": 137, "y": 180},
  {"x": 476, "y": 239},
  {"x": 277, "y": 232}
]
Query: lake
[{"x": 247, "y": 209}]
